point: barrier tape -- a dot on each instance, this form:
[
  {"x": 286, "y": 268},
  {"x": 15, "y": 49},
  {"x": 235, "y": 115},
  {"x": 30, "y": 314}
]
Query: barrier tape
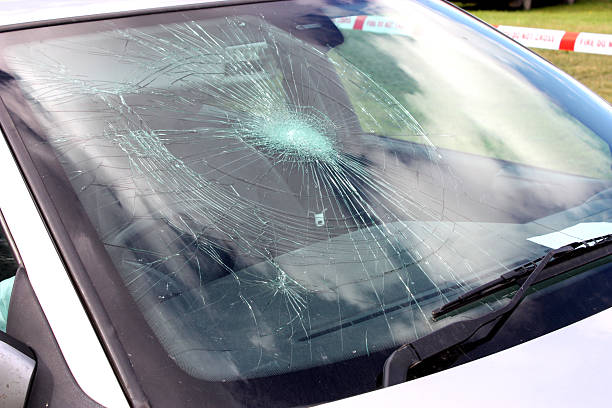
[
  {"x": 529, "y": 37},
  {"x": 560, "y": 40},
  {"x": 374, "y": 24}
]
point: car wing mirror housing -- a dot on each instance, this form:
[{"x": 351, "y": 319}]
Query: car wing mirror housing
[{"x": 17, "y": 367}]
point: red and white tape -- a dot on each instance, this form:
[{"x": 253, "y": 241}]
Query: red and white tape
[
  {"x": 530, "y": 37},
  {"x": 560, "y": 40},
  {"x": 374, "y": 24}
]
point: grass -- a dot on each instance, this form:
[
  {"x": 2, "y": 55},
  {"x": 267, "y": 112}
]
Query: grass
[
  {"x": 594, "y": 71},
  {"x": 585, "y": 15}
]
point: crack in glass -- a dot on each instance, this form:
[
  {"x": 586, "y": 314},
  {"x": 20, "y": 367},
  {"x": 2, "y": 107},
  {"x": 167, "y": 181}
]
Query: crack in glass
[{"x": 257, "y": 225}]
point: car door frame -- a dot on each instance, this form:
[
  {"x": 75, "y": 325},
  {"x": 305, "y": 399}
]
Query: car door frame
[{"x": 53, "y": 286}]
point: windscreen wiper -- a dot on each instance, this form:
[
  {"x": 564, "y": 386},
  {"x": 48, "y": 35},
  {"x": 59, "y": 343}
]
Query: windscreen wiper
[{"x": 411, "y": 355}]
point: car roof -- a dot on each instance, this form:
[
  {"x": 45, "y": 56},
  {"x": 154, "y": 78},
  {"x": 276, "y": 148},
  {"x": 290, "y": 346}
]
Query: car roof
[{"x": 13, "y": 12}]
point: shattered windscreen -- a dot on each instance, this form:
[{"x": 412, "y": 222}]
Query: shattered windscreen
[{"x": 286, "y": 189}]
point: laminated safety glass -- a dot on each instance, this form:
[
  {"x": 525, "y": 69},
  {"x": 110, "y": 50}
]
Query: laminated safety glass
[{"x": 287, "y": 189}]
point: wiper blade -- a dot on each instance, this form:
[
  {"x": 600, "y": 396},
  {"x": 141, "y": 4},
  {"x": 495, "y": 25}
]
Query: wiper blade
[
  {"x": 480, "y": 292},
  {"x": 410, "y": 355},
  {"x": 508, "y": 279}
]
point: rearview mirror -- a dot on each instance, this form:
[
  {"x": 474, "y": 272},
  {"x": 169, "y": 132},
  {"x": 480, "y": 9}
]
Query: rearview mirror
[
  {"x": 316, "y": 29},
  {"x": 17, "y": 365}
]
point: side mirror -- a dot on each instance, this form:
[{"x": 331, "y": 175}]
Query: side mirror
[{"x": 17, "y": 366}]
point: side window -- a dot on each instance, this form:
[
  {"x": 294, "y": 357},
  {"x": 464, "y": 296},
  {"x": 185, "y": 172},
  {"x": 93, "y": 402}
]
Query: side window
[{"x": 8, "y": 268}]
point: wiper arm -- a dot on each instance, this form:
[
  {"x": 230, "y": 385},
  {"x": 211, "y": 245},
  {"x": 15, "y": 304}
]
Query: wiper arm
[
  {"x": 410, "y": 355},
  {"x": 508, "y": 279}
]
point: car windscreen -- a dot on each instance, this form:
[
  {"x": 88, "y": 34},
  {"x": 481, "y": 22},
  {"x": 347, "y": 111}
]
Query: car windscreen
[{"x": 283, "y": 187}]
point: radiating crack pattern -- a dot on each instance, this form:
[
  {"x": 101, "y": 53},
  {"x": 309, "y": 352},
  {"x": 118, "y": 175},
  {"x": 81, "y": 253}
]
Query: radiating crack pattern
[{"x": 253, "y": 220}]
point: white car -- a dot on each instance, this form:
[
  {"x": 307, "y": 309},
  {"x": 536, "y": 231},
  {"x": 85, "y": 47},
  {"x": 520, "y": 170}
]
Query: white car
[{"x": 292, "y": 203}]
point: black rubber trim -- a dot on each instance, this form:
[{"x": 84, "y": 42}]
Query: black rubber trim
[
  {"x": 81, "y": 281},
  {"x": 53, "y": 384},
  {"x": 9, "y": 237},
  {"x": 130, "y": 13}
]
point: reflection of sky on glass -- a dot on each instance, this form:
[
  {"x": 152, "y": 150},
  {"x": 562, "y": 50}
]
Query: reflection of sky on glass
[{"x": 470, "y": 98}]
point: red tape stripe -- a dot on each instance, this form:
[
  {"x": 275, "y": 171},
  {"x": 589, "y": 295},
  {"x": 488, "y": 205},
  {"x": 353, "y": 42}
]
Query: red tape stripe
[
  {"x": 359, "y": 22},
  {"x": 568, "y": 41}
]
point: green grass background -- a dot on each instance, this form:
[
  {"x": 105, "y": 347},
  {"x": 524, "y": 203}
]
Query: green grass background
[{"x": 594, "y": 16}]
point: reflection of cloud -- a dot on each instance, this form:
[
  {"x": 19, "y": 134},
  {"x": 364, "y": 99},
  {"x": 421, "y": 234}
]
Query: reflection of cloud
[{"x": 468, "y": 90}]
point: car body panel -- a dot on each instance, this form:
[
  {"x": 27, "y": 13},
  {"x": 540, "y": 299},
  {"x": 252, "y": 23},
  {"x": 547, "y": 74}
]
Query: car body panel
[
  {"x": 20, "y": 11},
  {"x": 569, "y": 367}
]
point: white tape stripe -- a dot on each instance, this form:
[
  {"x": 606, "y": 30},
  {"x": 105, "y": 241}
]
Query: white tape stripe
[
  {"x": 594, "y": 43},
  {"x": 345, "y": 23},
  {"x": 536, "y": 38}
]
